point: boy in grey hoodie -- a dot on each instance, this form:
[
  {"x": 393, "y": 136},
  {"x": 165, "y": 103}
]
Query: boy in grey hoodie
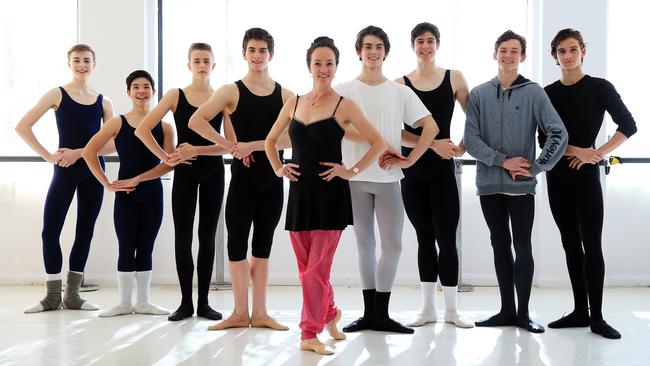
[{"x": 502, "y": 117}]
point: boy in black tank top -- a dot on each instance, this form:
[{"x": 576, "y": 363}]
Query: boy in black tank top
[
  {"x": 255, "y": 195},
  {"x": 200, "y": 183},
  {"x": 429, "y": 186}
]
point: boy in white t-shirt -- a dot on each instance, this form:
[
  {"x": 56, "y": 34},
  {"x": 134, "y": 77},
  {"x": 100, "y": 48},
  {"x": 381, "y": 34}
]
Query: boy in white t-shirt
[{"x": 375, "y": 191}]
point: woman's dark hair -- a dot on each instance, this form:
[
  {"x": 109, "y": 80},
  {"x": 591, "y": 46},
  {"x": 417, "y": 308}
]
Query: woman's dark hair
[
  {"x": 563, "y": 35},
  {"x": 422, "y": 28},
  {"x": 371, "y": 30},
  {"x": 508, "y": 35},
  {"x": 260, "y": 35},
  {"x": 322, "y": 41},
  {"x": 139, "y": 74},
  {"x": 199, "y": 46}
]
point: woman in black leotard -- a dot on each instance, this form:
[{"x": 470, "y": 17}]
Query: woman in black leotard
[
  {"x": 574, "y": 191},
  {"x": 79, "y": 113},
  {"x": 138, "y": 208},
  {"x": 429, "y": 186},
  {"x": 255, "y": 194},
  {"x": 319, "y": 206},
  {"x": 198, "y": 178}
]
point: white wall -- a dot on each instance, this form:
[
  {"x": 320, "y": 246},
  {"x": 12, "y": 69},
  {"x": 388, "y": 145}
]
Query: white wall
[{"x": 123, "y": 33}]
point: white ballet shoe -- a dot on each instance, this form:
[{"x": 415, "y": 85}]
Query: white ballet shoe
[
  {"x": 150, "y": 309},
  {"x": 424, "y": 317},
  {"x": 456, "y": 319},
  {"x": 122, "y": 309}
]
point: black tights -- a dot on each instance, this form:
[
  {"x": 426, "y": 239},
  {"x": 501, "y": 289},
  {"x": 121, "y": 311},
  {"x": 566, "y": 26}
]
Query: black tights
[
  {"x": 501, "y": 212},
  {"x": 576, "y": 200},
  {"x": 185, "y": 189},
  {"x": 433, "y": 209}
]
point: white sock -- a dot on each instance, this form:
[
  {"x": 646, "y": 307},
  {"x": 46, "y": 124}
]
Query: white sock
[
  {"x": 429, "y": 290},
  {"x": 451, "y": 309},
  {"x": 142, "y": 304},
  {"x": 451, "y": 296},
  {"x": 428, "y": 313},
  {"x": 125, "y": 286},
  {"x": 53, "y": 276}
]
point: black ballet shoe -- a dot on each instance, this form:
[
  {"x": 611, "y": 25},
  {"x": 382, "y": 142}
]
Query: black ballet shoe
[
  {"x": 601, "y": 327},
  {"x": 357, "y": 325},
  {"x": 183, "y": 312},
  {"x": 573, "y": 320},
  {"x": 529, "y": 325},
  {"x": 390, "y": 325},
  {"x": 205, "y": 311},
  {"x": 497, "y": 320}
]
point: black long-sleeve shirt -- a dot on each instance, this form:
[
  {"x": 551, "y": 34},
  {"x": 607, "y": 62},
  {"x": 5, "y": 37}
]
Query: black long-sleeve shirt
[{"x": 582, "y": 107}]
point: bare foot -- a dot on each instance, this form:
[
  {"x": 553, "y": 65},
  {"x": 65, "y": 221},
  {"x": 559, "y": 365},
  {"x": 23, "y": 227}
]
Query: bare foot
[
  {"x": 317, "y": 346},
  {"x": 267, "y": 322},
  {"x": 332, "y": 329},
  {"x": 233, "y": 321}
]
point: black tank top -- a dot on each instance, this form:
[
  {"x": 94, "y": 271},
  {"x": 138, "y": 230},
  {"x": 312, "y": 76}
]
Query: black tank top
[
  {"x": 203, "y": 165},
  {"x": 440, "y": 102},
  {"x": 252, "y": 120},
  {"x": 315, "y": 142},
  {"x": 313, "y": 203}
]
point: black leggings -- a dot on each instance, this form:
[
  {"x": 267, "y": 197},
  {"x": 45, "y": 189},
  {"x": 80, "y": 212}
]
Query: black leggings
[
  {"x": 501, "y": 212},
  {"x": 185, "y": 189},
  {"x": 576, "y": 200},
  {"x": 65, "y": 183},
  {"x": 245, "y": 206},
  {"x": 433, "y": 209}
]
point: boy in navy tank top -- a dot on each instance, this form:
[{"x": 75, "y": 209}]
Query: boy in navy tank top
[
  {"x": 138, "y": 194},
  {"x": 79, "y": 113}
]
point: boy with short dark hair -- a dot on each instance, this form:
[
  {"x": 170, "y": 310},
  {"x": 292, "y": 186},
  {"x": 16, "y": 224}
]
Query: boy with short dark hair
[{"x": 502, "y": 117}]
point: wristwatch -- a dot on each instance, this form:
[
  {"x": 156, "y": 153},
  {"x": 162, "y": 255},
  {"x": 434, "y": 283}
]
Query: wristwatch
[{"x": 355, "y": 170}]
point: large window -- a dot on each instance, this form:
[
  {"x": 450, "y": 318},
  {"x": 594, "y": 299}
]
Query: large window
[
  {"x": 626, "y": 69},
  {"x": 35, "y": 36},
  {"x": 468, "y": 31}
]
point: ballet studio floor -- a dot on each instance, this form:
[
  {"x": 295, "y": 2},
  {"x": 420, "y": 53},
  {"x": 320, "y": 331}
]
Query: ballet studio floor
[{"x": 68, "y": 337}]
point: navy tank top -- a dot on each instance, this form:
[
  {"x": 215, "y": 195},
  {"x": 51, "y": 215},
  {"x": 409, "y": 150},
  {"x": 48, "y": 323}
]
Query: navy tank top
[
  {"x": 252, "y": 120},
  {"x": 135, "y": 157},
  {"x": 440, "y": 102},
  {"x": 76, "y": 124},
  {"x": 204, "y": 165}
]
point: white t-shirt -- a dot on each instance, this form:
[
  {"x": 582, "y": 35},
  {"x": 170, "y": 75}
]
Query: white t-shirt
[{"x": 386, "y": 106}]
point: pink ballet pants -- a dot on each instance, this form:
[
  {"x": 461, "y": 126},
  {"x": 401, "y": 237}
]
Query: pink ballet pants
[{"x": 314, "y": 253}]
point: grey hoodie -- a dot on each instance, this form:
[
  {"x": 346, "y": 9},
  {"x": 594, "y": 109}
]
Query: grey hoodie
[{"x": 502, "y": 124}]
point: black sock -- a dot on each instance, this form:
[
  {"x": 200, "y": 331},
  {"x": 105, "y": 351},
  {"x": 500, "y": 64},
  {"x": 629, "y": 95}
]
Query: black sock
[
  {"x": 185, "y": 310},
  {"x": 601, "y": 327},
  {"x": 205, "y": 311},
  {"x": 525, "y": 322},
  {"x": 573, "y": 320},
  {"x": 381, "y": 321},
  {"x": 368, "y": 308},
  {"x": 498, "y": 320}
]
